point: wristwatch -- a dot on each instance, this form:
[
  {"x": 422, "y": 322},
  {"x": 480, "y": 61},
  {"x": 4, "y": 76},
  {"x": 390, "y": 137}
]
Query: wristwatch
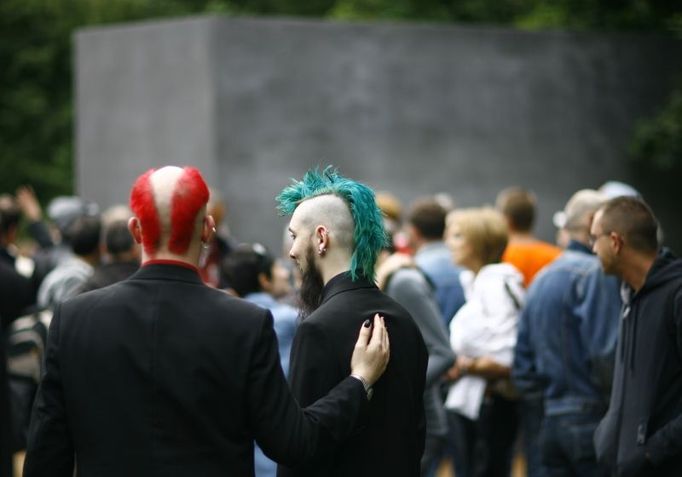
[{"x": 369, "y": 390}]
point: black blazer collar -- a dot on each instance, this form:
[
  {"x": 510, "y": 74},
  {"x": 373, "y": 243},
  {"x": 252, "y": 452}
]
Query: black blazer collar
[
  {"x": 342, "y": 283},
  {"x": 167, "y": 271}
]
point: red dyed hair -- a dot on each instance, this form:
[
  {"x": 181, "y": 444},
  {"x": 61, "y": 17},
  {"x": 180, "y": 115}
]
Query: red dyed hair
[
  {"x": 189, "y": 197},
  {"x": 144, "y": 207}
]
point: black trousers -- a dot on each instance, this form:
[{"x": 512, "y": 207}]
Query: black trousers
[{"x": 485, "y": 447}]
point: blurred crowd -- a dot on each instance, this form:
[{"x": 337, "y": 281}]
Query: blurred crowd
[{"x": 521, "y": 333}]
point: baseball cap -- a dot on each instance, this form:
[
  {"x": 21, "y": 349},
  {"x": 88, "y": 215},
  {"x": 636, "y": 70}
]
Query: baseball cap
[
  {"x": 612, "y": 189},
  {"x": 63, "y": 210}
]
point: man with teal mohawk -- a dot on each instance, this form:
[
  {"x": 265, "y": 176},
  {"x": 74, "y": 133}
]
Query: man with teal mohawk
[
  {"x": 368, "y": 225},
  {"x": 337, "y": 231}
]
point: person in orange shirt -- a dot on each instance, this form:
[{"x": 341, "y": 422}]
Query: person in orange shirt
[{"x": 527, "y": 253}]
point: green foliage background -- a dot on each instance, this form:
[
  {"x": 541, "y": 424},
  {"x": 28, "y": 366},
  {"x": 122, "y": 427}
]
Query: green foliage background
[{"x": 36, "y": 93}]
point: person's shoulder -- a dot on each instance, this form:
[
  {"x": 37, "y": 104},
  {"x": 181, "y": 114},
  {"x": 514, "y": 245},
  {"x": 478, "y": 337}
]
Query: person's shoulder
[
  {"x": 285, "y": 313},
  {"x": 570, "y": 262},
  {"x": 395, "y": 310},
  {"x": 533, "y": 248},
  {"x": 325, "y": 315},
  {"x": 84, "y": 302},
  {"x": 408, "y": 277},
  {"x": 553, "y": 281},
  {"x": 220, "y": 298},
  {"x": 546, "y": 250}
]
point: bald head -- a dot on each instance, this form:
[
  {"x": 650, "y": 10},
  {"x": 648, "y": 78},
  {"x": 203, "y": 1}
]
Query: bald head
[
  {"x": 333, "y": 213},
  {"x": 170, "y": 204}
]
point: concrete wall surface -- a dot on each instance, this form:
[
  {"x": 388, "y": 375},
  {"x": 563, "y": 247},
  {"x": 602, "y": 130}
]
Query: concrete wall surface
[{"x": 411, "y": 108}]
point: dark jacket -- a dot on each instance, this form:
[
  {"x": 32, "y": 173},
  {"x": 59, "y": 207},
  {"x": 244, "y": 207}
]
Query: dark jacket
[
  {"x": 641, "y": 434},
  {"x": 160, "y": 375},
  {"x": 110, "y": 273},
  {"x": 393, "y": 441},
  {"x": 16, "y": 293}
]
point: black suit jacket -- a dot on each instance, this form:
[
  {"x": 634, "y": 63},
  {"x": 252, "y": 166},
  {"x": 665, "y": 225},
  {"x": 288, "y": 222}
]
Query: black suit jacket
[
  {"x": 392, "y": 442},
  {"x": 16, "y": 293},
  {"x": 160, "y": 375}
]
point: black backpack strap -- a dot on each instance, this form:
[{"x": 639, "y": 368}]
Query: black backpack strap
[
  {"x": 514, "y": 298},
  {"x": 427, "y": 278}
]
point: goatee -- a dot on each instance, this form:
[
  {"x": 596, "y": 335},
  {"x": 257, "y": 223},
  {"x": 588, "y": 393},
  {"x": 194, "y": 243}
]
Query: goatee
[{"x": 311, "y": 286}]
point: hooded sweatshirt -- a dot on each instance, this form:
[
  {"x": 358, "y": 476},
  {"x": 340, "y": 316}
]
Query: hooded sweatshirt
[{"x": 641, "y": 434}]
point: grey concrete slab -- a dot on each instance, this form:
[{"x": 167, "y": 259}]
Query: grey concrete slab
[{"x": 414, "y": 109}]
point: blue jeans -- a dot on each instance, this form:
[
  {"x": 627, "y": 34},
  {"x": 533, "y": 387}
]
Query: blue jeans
[
  {"x": 531, "y": 415},
  {"x": 566, "y": 446}
]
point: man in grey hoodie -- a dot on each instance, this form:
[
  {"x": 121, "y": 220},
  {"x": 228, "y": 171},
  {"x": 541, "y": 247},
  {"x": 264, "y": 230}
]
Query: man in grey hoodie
[{"x": 641, "y": 433}]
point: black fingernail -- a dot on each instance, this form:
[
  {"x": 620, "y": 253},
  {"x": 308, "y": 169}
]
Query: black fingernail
[{"x": 367, "y": 323}]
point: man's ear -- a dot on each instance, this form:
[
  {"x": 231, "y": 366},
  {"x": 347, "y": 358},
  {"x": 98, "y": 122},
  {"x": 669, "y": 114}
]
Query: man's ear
[
  {"x": 589, "y": 219},
  {"x": 616, "y": 242},
  {"x": 208, "y": 229},
  {"x": 414, "y": 235},
  {"x": 135, "y": 229},
  {"x": 264, "y": 283},
  {"x": 321, "y": 236}
]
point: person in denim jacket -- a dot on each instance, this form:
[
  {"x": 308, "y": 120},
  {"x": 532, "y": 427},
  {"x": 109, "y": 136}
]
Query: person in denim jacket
[{"x": 566, "y": 344}]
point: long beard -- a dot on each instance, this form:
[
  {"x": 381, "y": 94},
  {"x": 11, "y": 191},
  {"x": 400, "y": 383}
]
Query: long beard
[{"x": 311, "y": 286}]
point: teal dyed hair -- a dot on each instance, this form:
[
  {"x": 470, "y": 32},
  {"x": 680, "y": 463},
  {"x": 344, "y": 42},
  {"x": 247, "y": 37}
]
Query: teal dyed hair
[{"x": 368, "y": 237}]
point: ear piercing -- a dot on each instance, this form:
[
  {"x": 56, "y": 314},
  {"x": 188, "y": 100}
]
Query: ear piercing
[{"x": 322, "y": 251}]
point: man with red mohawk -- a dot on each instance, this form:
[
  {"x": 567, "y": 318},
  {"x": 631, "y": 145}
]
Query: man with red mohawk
[{"x": 161, "y": 375}]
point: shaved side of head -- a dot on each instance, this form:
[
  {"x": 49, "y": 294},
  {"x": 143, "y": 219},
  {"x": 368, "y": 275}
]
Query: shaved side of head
[
  {"x": 143, "y": 205},
  {"x": 168, "y": 203},
  {"x": 368, "y": 237},
  {"x": 633, "y": 219},
  {"x": 333, "y": 212}
]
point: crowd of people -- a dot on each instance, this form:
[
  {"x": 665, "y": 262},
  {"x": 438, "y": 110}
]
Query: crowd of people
[{"x": 201, "y": 355}]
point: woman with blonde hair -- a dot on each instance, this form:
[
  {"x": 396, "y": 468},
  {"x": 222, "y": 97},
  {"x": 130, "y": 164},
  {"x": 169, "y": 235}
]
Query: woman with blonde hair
[{"x": 481, "y": 404}]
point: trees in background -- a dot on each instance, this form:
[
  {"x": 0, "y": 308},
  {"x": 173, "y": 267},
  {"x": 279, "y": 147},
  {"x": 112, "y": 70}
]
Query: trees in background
[
  {"x": 657, "y": 146},
  {"x": 656, "y": 160},
  {"x": 36, "y": 92}
]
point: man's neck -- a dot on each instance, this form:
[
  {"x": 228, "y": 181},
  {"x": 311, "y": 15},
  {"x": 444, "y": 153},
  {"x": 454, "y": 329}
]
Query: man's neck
[
  {"x": 426, "y": 243},
  {"x": 330, "y": 272},
  {"x": 636, "y": 270},
  {"x": 579, "y": 246},
  {"x": 163, "y": 255},
  {"x": 91, "y": 259},
  {"x": 334, "y": 262},
  {"x": 581, "y": 236},
  {"x": 125, "y": 257},
  {"x": 521, "y": 237}
]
